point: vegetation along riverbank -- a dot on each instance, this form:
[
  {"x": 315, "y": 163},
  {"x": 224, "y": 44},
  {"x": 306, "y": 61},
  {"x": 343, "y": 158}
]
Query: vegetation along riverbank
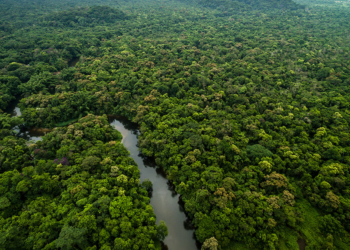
[{"x": 243, "y": 105}]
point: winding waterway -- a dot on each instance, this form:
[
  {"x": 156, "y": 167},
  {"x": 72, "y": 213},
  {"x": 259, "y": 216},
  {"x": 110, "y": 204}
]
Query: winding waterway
[
  {"x": 164, "y": 200},
  {"x": 166, "y": 203}
]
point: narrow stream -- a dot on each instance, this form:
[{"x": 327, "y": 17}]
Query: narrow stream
[{"x": 164, "y": 200}]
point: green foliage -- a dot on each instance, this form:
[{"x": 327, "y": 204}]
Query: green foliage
[
  {"x": 147, "y": 184},
  {"x": 71, "y": 238},
  {"x": 88, "y": 16},
  {"x": 258, "y": 151},
  {"x": 210, "y": 244},
  {"x": 65, "y": 196},
  {"x": 43, "y": 82},
  {"x": 244, "y": 104},
  {"x": 7, "y": 122},
  {"x": 8, "y": 90},
  {"x": 162, "y": 230},
  {"x": 247, "y": 5}
]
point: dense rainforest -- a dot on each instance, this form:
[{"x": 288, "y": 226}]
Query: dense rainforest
[{"x": 243, "y": 103}]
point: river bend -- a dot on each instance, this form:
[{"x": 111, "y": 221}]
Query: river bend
[{"x": 166, "y": 203}]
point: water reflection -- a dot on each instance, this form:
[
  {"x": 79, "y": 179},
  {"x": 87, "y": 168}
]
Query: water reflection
[
  {"x": 32, "y": 134},
  {"x": 16, "y": 112},
  {"x": 12, "y": 109},
  {"x": 166, "y": 203}
]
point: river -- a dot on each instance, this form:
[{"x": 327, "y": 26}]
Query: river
[{"x": 164, "y": 200}]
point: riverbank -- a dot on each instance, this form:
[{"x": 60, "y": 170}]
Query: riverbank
[{"x": 165, "y": 201}]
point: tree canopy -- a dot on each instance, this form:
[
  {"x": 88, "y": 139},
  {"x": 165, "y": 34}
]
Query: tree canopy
[{"x": 244, "y": 104}]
